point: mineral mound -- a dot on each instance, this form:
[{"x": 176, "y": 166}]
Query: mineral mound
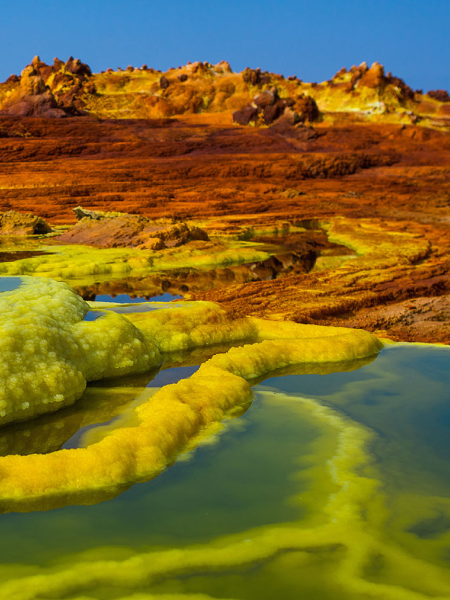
[
  {"x": 13, "y": 223},
  {"x": 105, "y": 230},
  {"x": 47, "y": 91}
]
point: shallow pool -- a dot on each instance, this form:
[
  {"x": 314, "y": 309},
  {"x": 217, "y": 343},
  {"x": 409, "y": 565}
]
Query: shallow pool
[
  {"x": 126, "y": 298},
  {"x": 330, "y": 486}
]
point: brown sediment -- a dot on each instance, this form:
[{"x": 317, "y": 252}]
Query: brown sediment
[
  {"x": 202, "y": 166},
  {"x": 19, "y": 255},
  {"x": 397, "y": 287},
  {"x": 385, "y": 168}
]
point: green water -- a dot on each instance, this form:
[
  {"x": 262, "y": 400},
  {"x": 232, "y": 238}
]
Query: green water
[
  {"x": 217, "y": 492},
  {"x": 267, "y": 474}
]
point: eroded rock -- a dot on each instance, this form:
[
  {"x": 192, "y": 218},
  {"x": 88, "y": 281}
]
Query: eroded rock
[
  {"x": 130, "y": 231},
  {"x": 307, "y": 109},
  {"x": 82, "y": 213},
  {"x": 246, "y": 115},
  {"x": 15, "y": 223},
  {"x": 49, "y": 91},
  {"x": 267, "y": 107},
  {"x": 441, "y": 95},
  {"x": 164, "y": 83},
  {"x": 33, "y": 98}
]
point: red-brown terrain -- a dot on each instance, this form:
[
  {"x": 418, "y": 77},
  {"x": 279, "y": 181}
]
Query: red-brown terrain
[{"x": 388, "y": 172}]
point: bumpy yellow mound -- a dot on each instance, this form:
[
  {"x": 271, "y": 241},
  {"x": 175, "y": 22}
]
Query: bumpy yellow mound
[{"x": 49, "y": 352}]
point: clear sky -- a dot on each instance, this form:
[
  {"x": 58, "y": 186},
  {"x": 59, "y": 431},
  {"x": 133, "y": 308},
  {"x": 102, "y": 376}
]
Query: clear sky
[{"x": 309, "y": 38}]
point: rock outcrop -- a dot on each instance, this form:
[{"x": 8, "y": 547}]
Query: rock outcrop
[
  {"x": 256, "y": 77},
  {"x": 267, "y": 106},
  {"x": 15, "y": 223},
  {"x": 129, "y": 231},
  {"x": 32, "y": 97},
  {"x": 441, "y": 95},
  {"x": 49, "y": 91},
  {"x": 372, "y": 78}
]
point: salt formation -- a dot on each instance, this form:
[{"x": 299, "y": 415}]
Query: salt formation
[{"x": 49, "y": 352}]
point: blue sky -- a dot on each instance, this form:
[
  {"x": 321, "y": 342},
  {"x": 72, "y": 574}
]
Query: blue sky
[{"x": 310, "y": 39}]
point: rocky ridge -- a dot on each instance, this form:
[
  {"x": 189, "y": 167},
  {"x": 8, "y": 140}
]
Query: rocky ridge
[
  {"x": 51, "y": 91},
  {"x": 70, "y": 88}
]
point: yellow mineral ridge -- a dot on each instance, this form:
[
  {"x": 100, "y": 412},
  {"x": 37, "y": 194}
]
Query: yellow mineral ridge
[
  {"x": 76, "y": 262},
  {"x": 49, "y": 352}
]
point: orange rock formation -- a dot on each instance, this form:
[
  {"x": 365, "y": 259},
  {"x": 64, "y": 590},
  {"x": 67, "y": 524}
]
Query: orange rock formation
[
  {"x": 365, "y": 148},
  {"x": 130, "y": 231}
]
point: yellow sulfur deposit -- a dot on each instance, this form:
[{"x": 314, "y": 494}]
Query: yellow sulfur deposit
[
  {"x": 76, "y": 262},
  {"x": 48, "y": 353}
]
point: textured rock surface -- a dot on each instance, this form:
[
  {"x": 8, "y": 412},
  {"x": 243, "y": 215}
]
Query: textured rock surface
[
  {"x": 15, "y": 223},
  {"x": 47, "y": 91},
  {"x": 70, "y": 88},
  {"x": 380, "y": 155},
  {"x": 130, "y": 231}
]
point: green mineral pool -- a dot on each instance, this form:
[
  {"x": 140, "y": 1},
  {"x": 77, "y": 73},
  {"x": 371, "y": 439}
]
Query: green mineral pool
[{"x": 332, "y": 485}]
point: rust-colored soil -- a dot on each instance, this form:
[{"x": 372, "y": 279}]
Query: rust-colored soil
[
  {"x": 389, "y": 179},
  {"x": 12, "y": 256}
]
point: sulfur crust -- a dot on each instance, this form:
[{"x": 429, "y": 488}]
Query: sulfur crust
[
  {"x": 158, "y": 597},
  {"x": 48, "y": 352},
  {"x": 377, "y": 242},
  {"x": 72, "y": 262},
  {"x": 47, "y": 319}
]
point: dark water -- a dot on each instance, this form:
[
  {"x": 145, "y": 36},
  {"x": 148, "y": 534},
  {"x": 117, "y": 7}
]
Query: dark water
[
  {"x": 216, "y": 492},
  {"x": 161, "y": 378},
  {"x": 375, "y": 518},
  {"x": 126, "y": 298}
]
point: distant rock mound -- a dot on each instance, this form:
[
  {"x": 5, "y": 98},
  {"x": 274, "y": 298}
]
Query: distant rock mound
[
  {"x": 109, "y": 230},
  {"x": 53, "y": 91},
  {"x": 372, "y": 78},
  {"x": 15, "y": 223},
  {"x": 254, "y": 96},
  {"x": 441, "y": 95},
  {"x": 267, "y": 107}
]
